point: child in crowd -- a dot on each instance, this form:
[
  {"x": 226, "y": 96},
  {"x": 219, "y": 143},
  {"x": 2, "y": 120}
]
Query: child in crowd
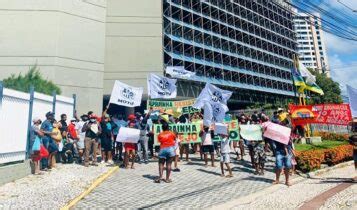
[
  {"x": 225, "y": 150},
  {"x": 130, "y": 148},
  {"x": 207, "y": 145},
  {"x": 177, "y": 151},
  {"x": 259, "y": 157}
]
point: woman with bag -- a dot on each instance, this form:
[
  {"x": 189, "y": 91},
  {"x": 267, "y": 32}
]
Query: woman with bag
[{"x": 35, "y": 144}]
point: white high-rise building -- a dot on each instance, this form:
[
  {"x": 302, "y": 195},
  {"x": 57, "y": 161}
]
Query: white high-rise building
[{"x": 311, "y": 46}]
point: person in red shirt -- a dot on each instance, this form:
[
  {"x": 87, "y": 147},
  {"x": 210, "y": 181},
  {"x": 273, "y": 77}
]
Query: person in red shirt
[
  {"x": 167, "y": 140},
  {"x": 130, "y": 148}
]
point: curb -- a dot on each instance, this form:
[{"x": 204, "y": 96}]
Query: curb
[
  {"x": 250, "y": 198},
  {"x": 95, "y": 183}
]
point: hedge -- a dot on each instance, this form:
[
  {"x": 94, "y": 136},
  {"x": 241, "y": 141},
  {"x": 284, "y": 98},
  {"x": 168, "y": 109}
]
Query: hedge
[
  {"x": 331, "y": 136},
  {"x": 312, "y": 159}
]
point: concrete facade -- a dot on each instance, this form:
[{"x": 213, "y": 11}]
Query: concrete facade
[
  {"x": 311, "y": 45},
  {"x": 133, "y": 42},
  {"x": 66, "y": 39}
]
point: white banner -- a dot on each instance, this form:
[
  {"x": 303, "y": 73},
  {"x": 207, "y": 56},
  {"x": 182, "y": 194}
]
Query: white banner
[
  {"x": 128, "y": 135},
  {"x": 162, "y": 87},
  {"x": 126, "y": 95},
  {"x": 352, "y": 95},
  {"x": 220, "y": 128},
  {"x": 179, "y": 71},
  {"x": 212, "y": 94}
]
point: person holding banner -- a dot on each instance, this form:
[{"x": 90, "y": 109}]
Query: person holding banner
[
  {"x": 130, "y": 148},
  {"x": 207, "y": 144},
  {"x": 167, "y": 152}
]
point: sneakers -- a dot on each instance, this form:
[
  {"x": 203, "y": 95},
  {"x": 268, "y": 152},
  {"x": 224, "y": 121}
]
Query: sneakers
[
  {"x": 110, "y": 163},
  {"x": 176, "y": 170}
]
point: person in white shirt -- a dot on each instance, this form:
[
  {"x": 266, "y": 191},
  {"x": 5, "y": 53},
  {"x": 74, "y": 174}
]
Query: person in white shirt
[
  {"x": 225, "y": 159},
  {"x": 207, "y": 144}
]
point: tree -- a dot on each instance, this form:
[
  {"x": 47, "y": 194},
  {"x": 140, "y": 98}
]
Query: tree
[
  {"x": 32, "y": 77},
  {"x": 332, "y": 91}
]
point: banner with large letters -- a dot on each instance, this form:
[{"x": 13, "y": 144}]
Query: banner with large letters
[
  {"x": 126, "y": 95},
  {"x": 333, "y": 114},
  {"x": 189, "y": 132},
  {"x": 182, "y": 107}
]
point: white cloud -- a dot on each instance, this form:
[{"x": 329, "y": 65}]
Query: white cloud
[
  {"x": 344, "y": 72},
  {"x": 336, "y": 44}
]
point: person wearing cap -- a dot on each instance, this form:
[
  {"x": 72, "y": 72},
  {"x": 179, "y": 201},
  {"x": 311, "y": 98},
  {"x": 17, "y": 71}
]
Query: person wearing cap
[
  {"x": 106, "y": 137},
  {"x": 35, "y": 132},
  {"x": 92, "y": 131},
  {"x": 47, "y": 129}
]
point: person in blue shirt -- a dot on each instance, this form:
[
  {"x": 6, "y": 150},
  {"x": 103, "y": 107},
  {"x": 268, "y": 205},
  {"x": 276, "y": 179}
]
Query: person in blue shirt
[{"x": 47, "y": 130}]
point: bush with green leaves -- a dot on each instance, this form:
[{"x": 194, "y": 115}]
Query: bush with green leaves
[{"x": 32, "y": 78}]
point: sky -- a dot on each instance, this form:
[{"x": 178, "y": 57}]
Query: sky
[{"x": 342, "y": 53}]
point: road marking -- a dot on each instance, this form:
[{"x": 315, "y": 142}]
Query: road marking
[
  {"x": 97, "y": 182},
  {"x": 320, "y": 199}
]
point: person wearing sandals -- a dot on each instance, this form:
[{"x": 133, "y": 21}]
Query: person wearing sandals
[
  {"x": 167, "y": 140},
  {"x": 225, "y": 159}
]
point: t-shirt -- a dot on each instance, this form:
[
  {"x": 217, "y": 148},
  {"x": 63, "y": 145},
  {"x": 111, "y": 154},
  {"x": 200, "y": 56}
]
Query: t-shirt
[
  {"x": 166, "y": 139},
  {"x": 206, "y": 139},
  {"x": 118, "y": 125},
  {"x": 72, "y": 131},
  {"x": 79, "y": 127},
  {"x": 64, "y": 126},
  {"x": 47, "y": 126},
  {"x": 34, "y": 130},
  {"x": 225, "y": 147}
]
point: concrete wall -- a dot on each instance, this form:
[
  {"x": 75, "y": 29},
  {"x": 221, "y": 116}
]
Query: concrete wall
[
  {"x": 133, "y": 42},
  {"x": 66, "y": 39}
]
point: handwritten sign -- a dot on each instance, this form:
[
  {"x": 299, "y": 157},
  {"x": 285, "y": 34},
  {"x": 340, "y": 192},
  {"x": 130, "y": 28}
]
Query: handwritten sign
[
  {"x": 277, "y": 132},
  {"x": 128, "y": 135},
  {"x": 251, "y": 132}
]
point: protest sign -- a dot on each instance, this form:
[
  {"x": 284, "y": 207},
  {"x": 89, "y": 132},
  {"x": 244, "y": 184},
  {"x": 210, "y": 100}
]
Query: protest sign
[
  {"x": 183, "y": 107},
  {"x": 125, "y": 95},
  {"x": 277, "y": 132},
  {"x": 233, "y": 129},
  {"x": 251, "y": 132},
  {"x": 334, "y": 114},
  {"x": 128, "y": 135},
  {"x": 179, "y": 72},
  {"x": 187, "y": 133},
  {"x": 220, "y": 128}
]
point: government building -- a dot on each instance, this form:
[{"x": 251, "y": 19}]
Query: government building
[{"x": 83, "y": 46}]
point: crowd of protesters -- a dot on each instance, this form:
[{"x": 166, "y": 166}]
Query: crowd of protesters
[{"x": 89, "y": 136}]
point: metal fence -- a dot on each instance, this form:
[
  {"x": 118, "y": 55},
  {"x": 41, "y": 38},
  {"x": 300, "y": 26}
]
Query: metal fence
[
  {"x": 17, "y": 109},
  {"x": 339, "y": 129}
]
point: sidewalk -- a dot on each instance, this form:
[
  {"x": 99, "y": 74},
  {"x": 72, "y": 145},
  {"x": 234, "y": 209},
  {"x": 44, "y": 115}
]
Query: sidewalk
[
  {"x": 51, "y": 190},
  {"x": 282, "y": 197}
]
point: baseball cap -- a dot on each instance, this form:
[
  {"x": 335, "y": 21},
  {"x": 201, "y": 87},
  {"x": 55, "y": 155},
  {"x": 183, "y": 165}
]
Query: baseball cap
[{"x": 50, "y": 114}]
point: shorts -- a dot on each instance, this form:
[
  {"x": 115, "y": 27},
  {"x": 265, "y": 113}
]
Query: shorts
[
  {"x": 207, "y": 149},
  {"x": 167, "y": 153},
  {"x": 130, "y": 146},
  {"x": 225, "y": 158},
  {"x": 283, "y": 161},
  {"x": 80, "y": 144},
  {"x": 106, "y": 145}
]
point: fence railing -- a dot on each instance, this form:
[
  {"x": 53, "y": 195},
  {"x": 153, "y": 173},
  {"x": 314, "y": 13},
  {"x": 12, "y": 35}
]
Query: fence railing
[{"x": 17, "y": 109}]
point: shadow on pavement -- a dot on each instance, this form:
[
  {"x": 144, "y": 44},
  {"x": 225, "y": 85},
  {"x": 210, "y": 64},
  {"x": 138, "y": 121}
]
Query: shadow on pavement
[{"x": 209, "y": 172}]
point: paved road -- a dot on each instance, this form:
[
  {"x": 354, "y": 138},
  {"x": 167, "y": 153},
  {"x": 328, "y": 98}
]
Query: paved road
[{"x": 195, "y": 186}]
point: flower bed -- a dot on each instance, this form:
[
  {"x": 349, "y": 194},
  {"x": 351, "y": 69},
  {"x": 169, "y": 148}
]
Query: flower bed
[
  {"x": 312, "y": 159},
  {"x": 331, "y": 136}
]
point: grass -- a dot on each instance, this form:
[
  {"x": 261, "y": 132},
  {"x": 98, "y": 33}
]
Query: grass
[{"x": 324, "y": 145}]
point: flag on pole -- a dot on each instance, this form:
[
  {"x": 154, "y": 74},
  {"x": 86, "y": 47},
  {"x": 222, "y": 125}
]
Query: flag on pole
[
  {"x": 212, "y": 94},
  {"x": 179, "y": 71},
  {"x": 126, "y": 95},
  {"x": 213, "y": 100},
  {"x": 309, "y": 81},
  {"x": 352, "y": 95},
  {"x": 162, "y": 87}
]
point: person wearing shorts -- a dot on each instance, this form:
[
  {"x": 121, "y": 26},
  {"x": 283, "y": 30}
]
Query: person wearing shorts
[
  {"x": 167, "y": 140},
  {"x": 283, "y": 162},
  {"x": 225, "y": 158},
  {"x": 207, "y": 145}
]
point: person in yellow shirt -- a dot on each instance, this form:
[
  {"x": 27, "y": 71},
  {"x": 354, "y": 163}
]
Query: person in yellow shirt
[{"x": 282, "y": 115}]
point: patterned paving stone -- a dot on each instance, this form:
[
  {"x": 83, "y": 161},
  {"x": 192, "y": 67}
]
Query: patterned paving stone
[{"x": 195, "y": 187}]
